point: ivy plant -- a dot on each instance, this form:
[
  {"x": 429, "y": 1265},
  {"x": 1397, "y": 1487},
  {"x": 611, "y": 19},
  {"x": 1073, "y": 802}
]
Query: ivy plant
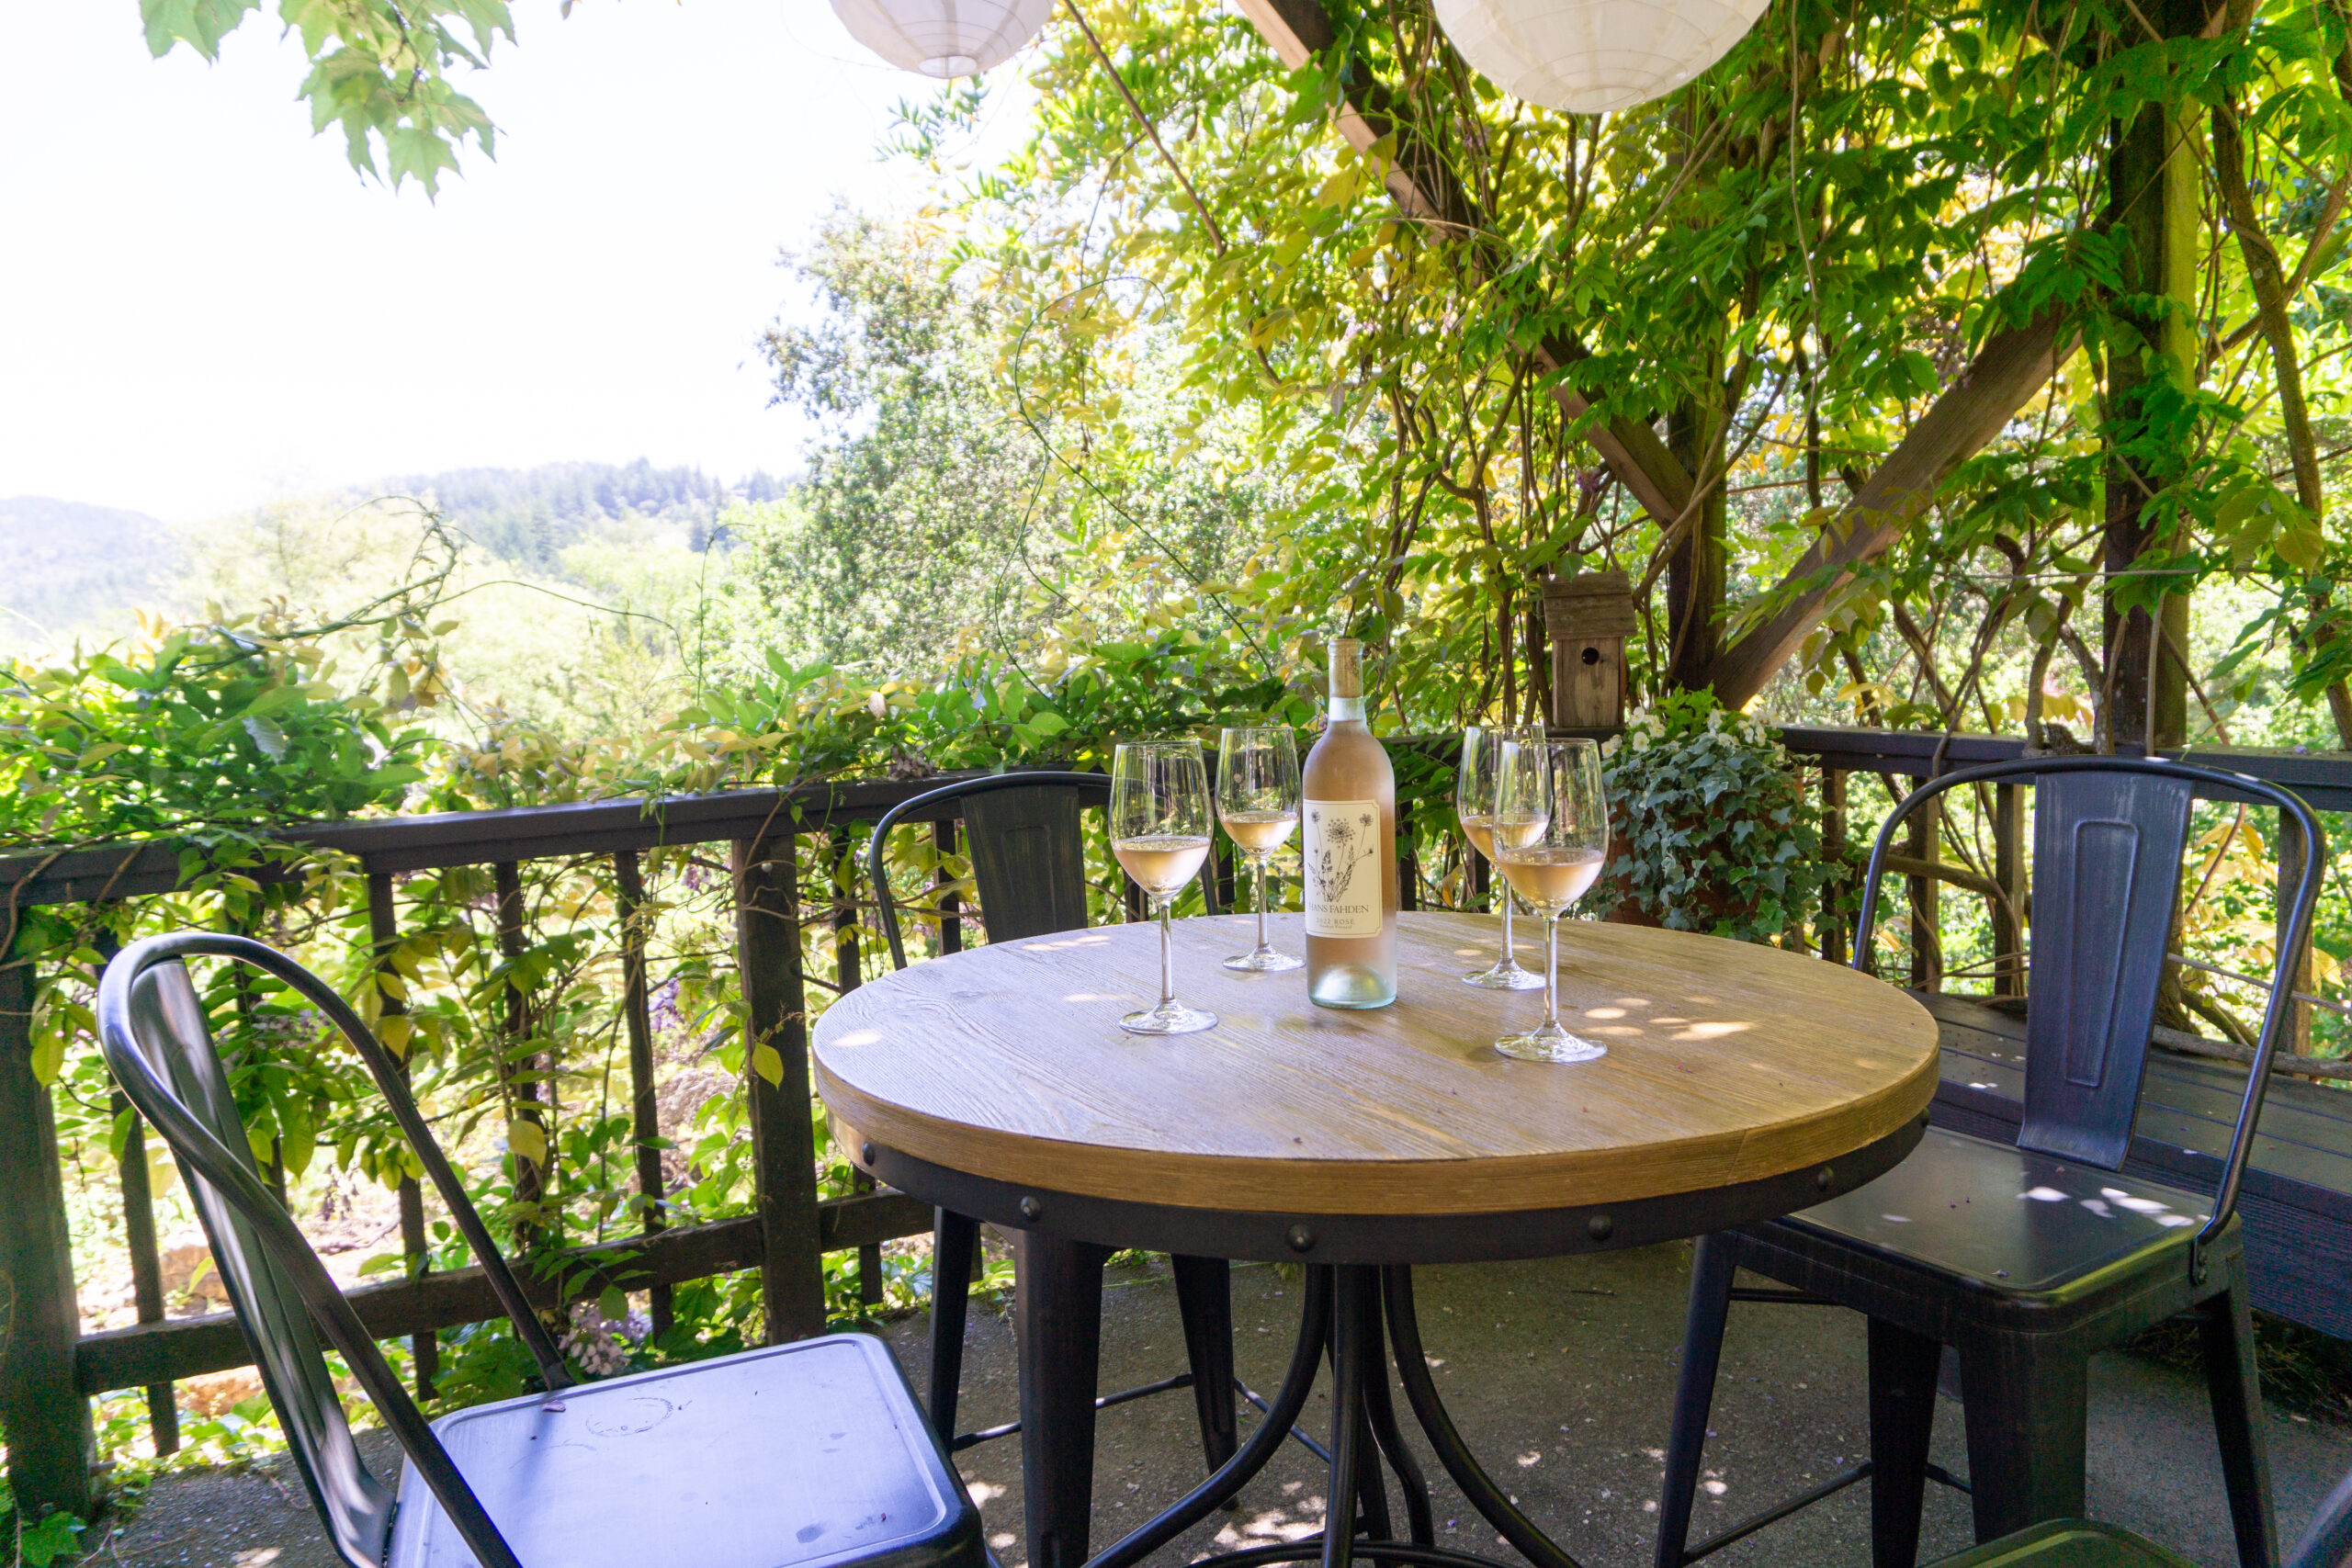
[{"x": 1710, "y": 822}]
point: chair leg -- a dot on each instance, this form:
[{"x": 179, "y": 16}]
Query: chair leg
[
  {"x": 1903, "y": 1416},
  {"x": 1204, "y": 1298},
  {"x": 954, "y": 1239},
  {"x": 1711, "y": 1267},
  {"x": 1058, "y": 1308},
  {"x": 2226, "y": 1325},
  {"x": 2028, "y": 1421}
]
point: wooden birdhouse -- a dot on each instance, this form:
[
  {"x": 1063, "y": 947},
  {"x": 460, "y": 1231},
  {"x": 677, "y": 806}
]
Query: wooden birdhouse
[{"x": 1587, "y": 619}]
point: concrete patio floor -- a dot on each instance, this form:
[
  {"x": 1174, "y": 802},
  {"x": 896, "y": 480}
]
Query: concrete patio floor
[{"x": 1560, "y": 1375}]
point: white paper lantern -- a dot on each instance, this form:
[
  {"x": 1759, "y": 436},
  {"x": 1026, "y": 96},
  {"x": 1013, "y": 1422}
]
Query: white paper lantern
[
  {"x": 1591, "y": 56},
  {"x": 944, "y": 37}
]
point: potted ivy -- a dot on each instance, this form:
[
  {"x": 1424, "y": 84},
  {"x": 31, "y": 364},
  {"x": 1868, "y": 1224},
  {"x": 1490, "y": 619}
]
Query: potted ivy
[{"x": 1708, "y": 825}]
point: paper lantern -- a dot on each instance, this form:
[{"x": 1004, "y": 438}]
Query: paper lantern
[
  {"x": 944, "y": 37},
  {"x": 1591, "y": 56}
]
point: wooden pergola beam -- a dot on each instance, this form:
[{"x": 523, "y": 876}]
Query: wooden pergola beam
[{"x": 1426, "y": 191}]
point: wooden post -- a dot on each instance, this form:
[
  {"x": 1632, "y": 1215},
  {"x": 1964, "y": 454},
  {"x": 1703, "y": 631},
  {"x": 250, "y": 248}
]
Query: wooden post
[
  {"x": 1409, "y": 863},
  {"x": 146, "y": 1264},
  {"x": 1921, "y": 893},
  {"x": 2009, "y": 869},
  {"x": 46, "y": 1420},
  {"x": 1833, "y": 856},
  {"x": 848, "y": 973},
  {"x": 383, "y": 935},
  {"x": 1589, "y": 618},
  {"x": 776, "y": 1038},
  {"x": 518, "y": 1064},
  {"x": 645, "y": 1107},
  {"x": 951, "y": 917},
  {"x": 2296, "y": 1036}
]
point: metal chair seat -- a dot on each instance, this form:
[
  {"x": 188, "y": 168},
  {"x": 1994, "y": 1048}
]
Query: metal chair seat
[
  {"x": 2003, "y": 1221},
  {"x": 2068, "y": 1543},
  {"x": 792, "y": 1456},
  {"x": 797, "y": 1455}
]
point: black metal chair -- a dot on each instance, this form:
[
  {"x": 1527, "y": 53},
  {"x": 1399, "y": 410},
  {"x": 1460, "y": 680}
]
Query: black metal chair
[
  {"x": 2028, "y": 1258},
  {"x": 2078, "y": 1543},
  {"x": 1021, "y": 831},
  {"x": 792, "y": 1454}
]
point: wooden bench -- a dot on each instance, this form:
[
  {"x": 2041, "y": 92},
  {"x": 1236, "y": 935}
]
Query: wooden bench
[{"x": 2296, "y": 1200}]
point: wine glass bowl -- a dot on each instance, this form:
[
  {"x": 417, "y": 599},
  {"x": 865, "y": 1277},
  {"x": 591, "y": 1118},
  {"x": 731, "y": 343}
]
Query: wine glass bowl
[
  {"x": 1161, "y": 826},
  {"x": 1257, "y": 799},
  {"x": 1549, "y": 826},
  {"x": 1474, "y": 798}
]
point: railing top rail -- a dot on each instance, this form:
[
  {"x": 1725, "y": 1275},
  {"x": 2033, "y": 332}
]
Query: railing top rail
[{"x": 602, "y": 827}]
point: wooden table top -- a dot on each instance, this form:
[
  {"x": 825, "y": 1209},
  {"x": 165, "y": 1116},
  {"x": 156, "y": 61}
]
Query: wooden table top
[{"x": 1727, "y": 1063}]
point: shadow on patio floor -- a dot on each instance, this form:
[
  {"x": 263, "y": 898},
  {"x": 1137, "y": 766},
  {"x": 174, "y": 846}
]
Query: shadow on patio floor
[{"x": 1559, "y": 1373}]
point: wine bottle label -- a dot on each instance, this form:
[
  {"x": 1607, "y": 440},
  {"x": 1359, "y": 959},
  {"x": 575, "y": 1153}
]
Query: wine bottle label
[{"x": 1342, "y": 854}]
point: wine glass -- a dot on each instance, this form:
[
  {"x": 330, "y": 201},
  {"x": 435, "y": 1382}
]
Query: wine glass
[
  {"x": 1161, "y": 826},
  {"x": 1257, "y": 799},
  {"x": 1553, "y": 788},
  {"x": 1474, "y": 797}
]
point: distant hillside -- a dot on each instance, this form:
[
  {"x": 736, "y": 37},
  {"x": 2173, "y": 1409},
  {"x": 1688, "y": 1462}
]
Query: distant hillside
[
  {"x": 64, "y": 564},
  {"x": 528, "y": 515}
]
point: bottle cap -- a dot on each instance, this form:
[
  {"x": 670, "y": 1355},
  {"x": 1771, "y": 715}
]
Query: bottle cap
[{"x": 1347, "y": 668}]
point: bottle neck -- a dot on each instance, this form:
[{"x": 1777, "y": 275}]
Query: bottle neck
[{"x": 1347, "y": 710}]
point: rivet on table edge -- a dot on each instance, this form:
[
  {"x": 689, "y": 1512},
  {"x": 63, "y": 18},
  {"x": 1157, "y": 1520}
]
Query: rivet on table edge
[
  {"x": 1301, "y": 1239},
  {"x": 1032, "y": 1209},
  {"x": 865, "y": 1152},
  {"x": 1599, "y": 1227},
  {"x": 1824, "y": 1178}
]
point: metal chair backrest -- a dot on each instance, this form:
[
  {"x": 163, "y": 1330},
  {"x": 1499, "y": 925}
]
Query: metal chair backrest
[
  {"x": 1028, "y": 860},
  {"x": 2110, "y": 836},
  {"x": 156, "y": 1040}
]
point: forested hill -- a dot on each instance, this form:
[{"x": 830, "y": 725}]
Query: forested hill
[
  {"x": 63, "y": 563},
  {"x": 527, "y": 516}
]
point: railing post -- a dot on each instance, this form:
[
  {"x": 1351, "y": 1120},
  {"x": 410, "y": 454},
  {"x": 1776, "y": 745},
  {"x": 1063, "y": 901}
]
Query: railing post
[
  {"x": 951, "y": 918},
  {"x": 1409, "y": 863},
  {"x": 848, "y": 973},
  {"x": 518, "y": 1066},
  {"x": 2009, "y": 869},
  {"x": 383, "y": 935},
  {"x": 46, "y": 1420},
  {"x": 146, "y": 1263},
  {"x": 645, "y": 1108},
  {"x": 1833, "y": 856},
  {"x": 783, "y": 1152},
  {"x": 1921, "y": 893},
  {"x": 2296, "y": 1035}
]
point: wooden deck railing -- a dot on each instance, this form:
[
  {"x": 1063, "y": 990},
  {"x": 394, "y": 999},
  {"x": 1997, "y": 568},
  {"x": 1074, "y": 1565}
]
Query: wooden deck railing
[{"x": 49, "y": 1368}]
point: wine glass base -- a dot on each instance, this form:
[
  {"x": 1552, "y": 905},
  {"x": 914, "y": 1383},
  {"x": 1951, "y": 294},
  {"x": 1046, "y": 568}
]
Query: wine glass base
[
  {"x": 1172, "y": 1018},
  {"x": 1504, "y": 975},
  {"x": 1266, "y": 961},
  {"x": 1550, "y": 1044}
]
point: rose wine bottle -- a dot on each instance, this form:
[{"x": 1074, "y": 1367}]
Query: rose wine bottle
[{"x": 1349, "y": 850}]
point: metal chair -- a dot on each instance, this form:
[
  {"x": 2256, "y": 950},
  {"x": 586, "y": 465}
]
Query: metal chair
[
  {"x": 2028, "y": 1258},
  {"x": 804, "y": 1453},
  {"x": 1027, "y": 858},
  {"x": 2078, "y": 1543}
]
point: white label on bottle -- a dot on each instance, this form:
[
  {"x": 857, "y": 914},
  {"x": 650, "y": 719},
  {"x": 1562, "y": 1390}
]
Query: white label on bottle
[{"x": 1343, "y": 854}]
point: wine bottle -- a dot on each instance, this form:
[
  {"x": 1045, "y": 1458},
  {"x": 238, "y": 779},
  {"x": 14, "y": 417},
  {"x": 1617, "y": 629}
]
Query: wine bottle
[{"x": 1349, "y": 850}]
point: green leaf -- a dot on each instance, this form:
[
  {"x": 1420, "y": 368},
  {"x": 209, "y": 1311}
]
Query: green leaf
[{"x": 53, "y": 1538}]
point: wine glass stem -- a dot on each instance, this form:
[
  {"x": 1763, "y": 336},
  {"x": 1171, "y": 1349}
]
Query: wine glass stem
[
  {"x": 1551, "y": 973},
  {"x": 1259, "y": 866},
  {"x": 1502, "y": 889},
  {"x": 1166, "y": 959}
]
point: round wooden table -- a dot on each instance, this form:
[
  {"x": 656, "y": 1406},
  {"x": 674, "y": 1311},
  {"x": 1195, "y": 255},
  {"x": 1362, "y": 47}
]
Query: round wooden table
[{"x": 1741, "y": 1083}]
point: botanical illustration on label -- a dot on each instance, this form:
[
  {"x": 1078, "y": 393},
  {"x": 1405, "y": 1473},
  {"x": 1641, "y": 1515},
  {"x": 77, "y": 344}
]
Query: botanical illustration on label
[{"x": 1343, "y": 856}]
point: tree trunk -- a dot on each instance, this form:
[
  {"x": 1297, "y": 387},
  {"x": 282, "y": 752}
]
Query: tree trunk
[{"x": 1695, "y": 574}]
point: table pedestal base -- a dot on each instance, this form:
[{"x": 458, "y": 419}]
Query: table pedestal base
[{"x": 1353, "y": 1315}]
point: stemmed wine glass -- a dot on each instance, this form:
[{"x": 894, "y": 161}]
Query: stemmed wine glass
[
  {"x": 1257, "y": 799},
  {"x": 1474, "y": 797},
  {"x": 1556, "y": 783},
  {"x": 1161, "y": 826}
]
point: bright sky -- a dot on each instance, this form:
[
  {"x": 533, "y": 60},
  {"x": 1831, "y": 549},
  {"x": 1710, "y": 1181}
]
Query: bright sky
[{"x": 205, "y": 307}]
